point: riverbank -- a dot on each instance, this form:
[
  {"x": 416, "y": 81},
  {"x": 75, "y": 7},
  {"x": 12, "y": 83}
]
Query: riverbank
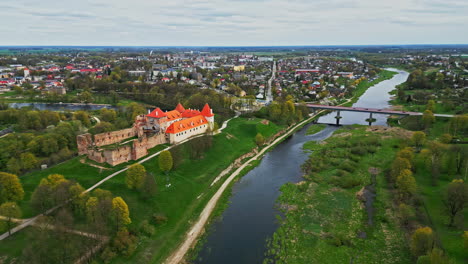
[
  {"x": 324, "y": 220},
  {"x": 198, "y": 228},
  {"x": 362, "y": 87}
]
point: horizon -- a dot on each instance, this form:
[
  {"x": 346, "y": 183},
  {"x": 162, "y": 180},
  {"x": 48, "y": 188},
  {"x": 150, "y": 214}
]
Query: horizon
[{"x": 233, "y": 23}]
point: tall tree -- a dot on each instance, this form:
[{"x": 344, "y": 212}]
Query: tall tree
[
  {"x": 135, "y": 176},
  {"x": 455, "y": 199},
  {"x": 406, "y": 184},
  {"x": 428, "y": 119},
  {"x": 10, "y": 210},
  {"x": 120, "y": 212},
  {"x": 418, "y": 139},
  {"x": 149, "y": 187},
  {"x": 422, "y": 241},
  {"x": 259, "y": 140},
  {"x": 165, "y": 161},
  {"x": 11, "y": 189}
]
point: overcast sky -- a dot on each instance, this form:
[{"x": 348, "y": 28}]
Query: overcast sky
[{"x": 233, "y": 22}]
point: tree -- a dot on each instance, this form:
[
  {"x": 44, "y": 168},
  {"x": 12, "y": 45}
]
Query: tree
[
  {"x": 445, "y": 138},
  {"x": 259, "y": 140},
  {"x": 406, "y": 184},
  {"x": 10, "y": 210},
  {"x": 91, "y": 209},
  {"x": 165, "y": 161},
  {"x": 422, "y": 241},
  {"x": 120, "y": 212},
  {"x": 13, "y": 165},
  {"x": 428, "y": 119},
  {"x": 177, "y": 153},
  {"x": 124, "y": 242},
  {"x": 149, "y": 187},
  {"x": 11, "y": 189},
  {"x": 455, "y": 199},
  {"x": 430, "y": 106},
  {"x": 86, "y": 97},
  {"x": 406, "y": 213},
  {"x": 28, "y": 161},
  {"x": 41, "y": 198},
  {"x": 418, "y": 139},
  {"x": 399, "y": 164},
  {"x": 83, "y": 117},
  {"x": 135, "y": 176},
  {"x": 406, "y": 153}
]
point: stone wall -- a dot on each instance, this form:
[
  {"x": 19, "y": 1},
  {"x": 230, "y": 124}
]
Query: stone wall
[
  {"x": 139, "y": 148},
  {"x": 118, "y": 155},
  {"x": 108, "y": 138},
  {"x": 84, "y": 142},
  {"x": 135, "y": 149}
]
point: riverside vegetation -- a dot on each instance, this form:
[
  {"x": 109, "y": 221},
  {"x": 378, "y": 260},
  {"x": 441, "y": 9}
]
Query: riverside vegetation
[{"x": 419, "y": 212}]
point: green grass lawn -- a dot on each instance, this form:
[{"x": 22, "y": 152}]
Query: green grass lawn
[
  {"x": 315, "y": 129},
  {"x": 324, "y": 219},
  {"x": 182, "y": 202},
  {"x": 190, "y": 189}
]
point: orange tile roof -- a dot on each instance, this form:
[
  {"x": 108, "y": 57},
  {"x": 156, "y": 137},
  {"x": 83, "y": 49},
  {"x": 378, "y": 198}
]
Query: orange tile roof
[
  {"x": 180, "y": 108},
  {"x": 172, "y": 115},
  {"x": 186, "y": 124},
  {"x": 157, "y": 113},
  {"x": 207, "y": 111},
  {"x": 190, "y": 113}
]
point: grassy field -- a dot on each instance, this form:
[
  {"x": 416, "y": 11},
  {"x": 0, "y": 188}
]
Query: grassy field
[
  {"x": 315, "y": 129},
  {"x": 190, "y": 189},
  {"x": 450, "y": 238},
  {"x": 181, "y": 203},
  {"x": 322, "y": 215}
]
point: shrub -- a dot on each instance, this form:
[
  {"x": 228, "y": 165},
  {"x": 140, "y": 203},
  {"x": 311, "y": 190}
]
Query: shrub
[
  {"x": 350, "y": 181},
  {"x": 160, "y": 218},
  {"x": 422, "y": 241},
  {"x": 146, "y": 228}
]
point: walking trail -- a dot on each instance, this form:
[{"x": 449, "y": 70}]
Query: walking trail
[{"x": 198, "y": 227}]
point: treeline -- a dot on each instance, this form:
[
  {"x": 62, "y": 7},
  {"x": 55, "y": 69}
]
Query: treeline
[
  {"x": 168, "y": 95},
  {"x": 105, "y": 216},
  {"x": 282, "y": 111},
  {"x": 439, "y": 163}
]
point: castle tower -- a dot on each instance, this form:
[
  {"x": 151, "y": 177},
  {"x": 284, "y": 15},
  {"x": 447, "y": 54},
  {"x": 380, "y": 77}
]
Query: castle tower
[{"x": 207, "y": 112}]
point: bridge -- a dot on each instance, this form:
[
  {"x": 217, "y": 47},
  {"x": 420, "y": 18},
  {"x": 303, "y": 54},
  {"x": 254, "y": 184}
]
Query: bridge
[{"x": 367, "y": 110}]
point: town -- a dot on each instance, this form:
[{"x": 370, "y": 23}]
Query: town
[{"x": 132, "y": 154}]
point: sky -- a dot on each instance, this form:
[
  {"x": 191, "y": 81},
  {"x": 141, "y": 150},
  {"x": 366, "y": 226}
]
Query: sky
[{"x": 232, "y": 22}]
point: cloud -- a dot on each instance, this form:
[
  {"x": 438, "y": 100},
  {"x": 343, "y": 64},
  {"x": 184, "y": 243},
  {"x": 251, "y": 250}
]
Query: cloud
[{"x": 234, "y": 22}]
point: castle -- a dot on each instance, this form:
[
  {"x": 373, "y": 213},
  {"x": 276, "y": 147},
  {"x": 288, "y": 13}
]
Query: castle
[{"x": 155, "y": 128}]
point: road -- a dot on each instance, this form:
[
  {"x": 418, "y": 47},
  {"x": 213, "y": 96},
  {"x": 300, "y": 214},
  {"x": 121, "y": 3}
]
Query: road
[{"x": 269, "y": 96}]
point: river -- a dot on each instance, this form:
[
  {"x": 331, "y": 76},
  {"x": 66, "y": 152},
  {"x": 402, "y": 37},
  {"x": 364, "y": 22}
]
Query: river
[
  {"x": 61, "y": 107},
  {"x": 239, "y": 235}
]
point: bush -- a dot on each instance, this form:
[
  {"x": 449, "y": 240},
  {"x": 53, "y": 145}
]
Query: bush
[
  {"x": 146, "y": 228},
  {"x": 347, "y": 166},
  {"x": 350, "y": 181},
  {"x": 422, "y": 241},
  {"x": 160, "y": 218}
]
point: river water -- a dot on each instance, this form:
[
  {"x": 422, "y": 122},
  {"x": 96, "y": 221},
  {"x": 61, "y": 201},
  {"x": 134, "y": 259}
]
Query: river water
[
  {"x": 239, "y": 235},
  {"x": 61, "y": 107},
  {"x": 375, "y": 97}
]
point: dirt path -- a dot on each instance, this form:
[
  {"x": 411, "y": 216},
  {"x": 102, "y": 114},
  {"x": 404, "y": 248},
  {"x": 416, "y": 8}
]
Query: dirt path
[{"x": 198, "y": 227}]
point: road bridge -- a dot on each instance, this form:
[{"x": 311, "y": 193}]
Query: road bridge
[{"x": 371, "y": 111}]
